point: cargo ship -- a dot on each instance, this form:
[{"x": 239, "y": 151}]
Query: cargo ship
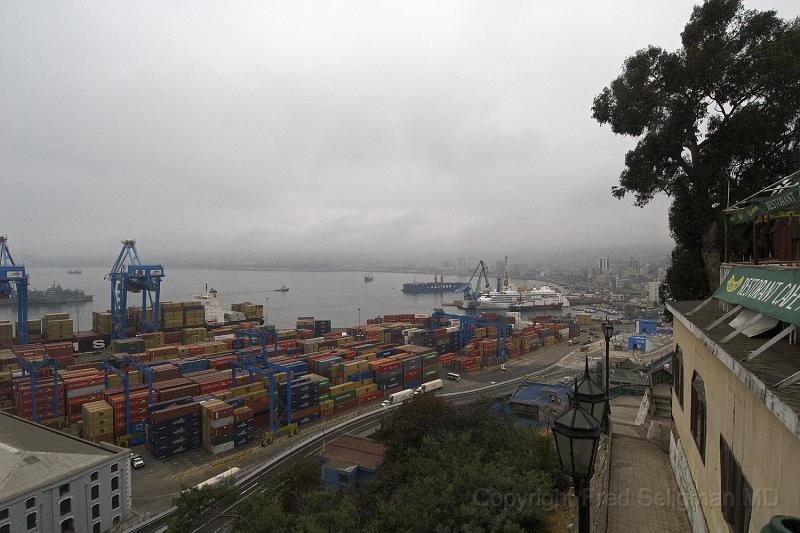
[
  {"x": 74, "y": 271},
  {"x": 437, "y": 285},
  {"x": 215, "y": 315},
  {"x": 55, "y": 295}
]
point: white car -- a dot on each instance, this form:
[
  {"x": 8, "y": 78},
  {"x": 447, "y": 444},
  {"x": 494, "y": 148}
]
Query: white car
[
  {"x": 385, "y": 403},
  {"x": 137, "y": 461}
]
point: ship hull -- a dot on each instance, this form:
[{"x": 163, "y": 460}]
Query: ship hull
[{"x": 432, "y": 287}]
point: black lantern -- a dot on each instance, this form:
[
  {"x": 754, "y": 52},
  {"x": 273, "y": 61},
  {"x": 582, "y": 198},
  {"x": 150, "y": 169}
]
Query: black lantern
[
  {"x": 577, "y": 433},
  {"x": 608, "y": 330},
  {"x": 591, "y": 396}
]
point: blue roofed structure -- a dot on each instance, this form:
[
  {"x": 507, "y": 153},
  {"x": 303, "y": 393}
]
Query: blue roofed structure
[{"x": 540, "y": 401}]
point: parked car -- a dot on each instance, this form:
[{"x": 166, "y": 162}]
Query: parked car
[{"x": 137, "y": 461}]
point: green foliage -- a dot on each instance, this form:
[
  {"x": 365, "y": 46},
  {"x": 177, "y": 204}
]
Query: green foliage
[
  {"x": 726, "y": 105},
  {"x": 448, "y": 469},
  {"x": 192, "y": 502}
]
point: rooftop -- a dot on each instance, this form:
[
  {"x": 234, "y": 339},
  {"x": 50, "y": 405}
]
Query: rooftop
[
  {"x": 762, "y": 373},
  {"x": 539, "y": 393},
  {"x": 32, "y": 455},
  {"x": 348, "y": 450}
]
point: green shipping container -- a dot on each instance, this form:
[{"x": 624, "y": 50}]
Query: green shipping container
[{"x": 344, "y": 397}]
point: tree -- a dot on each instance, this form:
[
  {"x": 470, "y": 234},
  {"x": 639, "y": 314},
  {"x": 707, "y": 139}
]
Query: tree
[
  {"x": 723, "y": 109},
  {"x": 195, "y": 505}
]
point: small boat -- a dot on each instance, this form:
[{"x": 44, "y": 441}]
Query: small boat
[
  {"x": 369, "y": 277},
  {"x": 74, "y": 271},
  {"x": 283, "y": 288}
]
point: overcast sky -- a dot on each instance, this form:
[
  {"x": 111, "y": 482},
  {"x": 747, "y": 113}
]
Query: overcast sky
[{"x": 402, "y": 128}]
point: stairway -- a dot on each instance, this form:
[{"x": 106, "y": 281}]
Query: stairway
[{"x": 661, "y": 402}]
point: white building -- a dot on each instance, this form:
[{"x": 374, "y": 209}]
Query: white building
[
  {"x": 603, "y": 264},
  {"x": 652, "y": 291},
  {"x": 51, "y": 481}
]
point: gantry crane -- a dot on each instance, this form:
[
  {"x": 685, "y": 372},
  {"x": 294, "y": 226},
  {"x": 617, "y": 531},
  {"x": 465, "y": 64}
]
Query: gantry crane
[
  {"x": 32, "y": 369},
  {"x": 471, "y": 293},
  {"x": 12, "y": 273},
  {"x": 129, "y": 274},
  {"x": 466, "y": 326}
]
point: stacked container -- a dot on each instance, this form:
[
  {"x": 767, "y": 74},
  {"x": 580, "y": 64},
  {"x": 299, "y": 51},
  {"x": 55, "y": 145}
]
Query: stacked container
[
  {"x": 81, "y": 387},
  {"x": 218, "y": 426},
  {"x": 194, "y": 314},
  {"x": 101, "y": 322},
  {"x": 171, "y": 315},
  {"x": 97, "y": 421},
  {"x": 243, "y": 425},
  {"x": 174, "y": 429},
  {"x": 56, "y": 327}
]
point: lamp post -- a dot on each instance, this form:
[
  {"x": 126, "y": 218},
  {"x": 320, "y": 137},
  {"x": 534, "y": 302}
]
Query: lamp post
[
  {"x": 266, "y": 311},
  {"x": 359, "y": 316},
  {"x": 577, "y": 433},
  {"x": 608, "y": 332}
]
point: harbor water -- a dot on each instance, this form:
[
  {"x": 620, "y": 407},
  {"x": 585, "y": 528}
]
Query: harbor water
[{"x": 334, "y": 296}]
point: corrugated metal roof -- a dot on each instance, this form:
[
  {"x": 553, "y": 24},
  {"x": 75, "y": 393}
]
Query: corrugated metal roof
[
  {"x": 354, "y": 451},
  {"x": 540, "y": 393}
]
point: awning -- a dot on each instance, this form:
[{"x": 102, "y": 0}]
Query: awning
[
  {"x": 781, "y": 199},
  {"x": 773, "y": 292}
]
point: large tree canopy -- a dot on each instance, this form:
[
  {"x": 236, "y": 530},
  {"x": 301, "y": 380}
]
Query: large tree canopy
[{"x": 723, "y": 108}]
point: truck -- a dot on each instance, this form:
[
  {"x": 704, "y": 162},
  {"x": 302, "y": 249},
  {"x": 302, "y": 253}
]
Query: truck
[
  {"x": 429, "y": 386},
  {"x": 400, "y": 397}
]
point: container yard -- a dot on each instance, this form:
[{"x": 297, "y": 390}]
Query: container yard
[{"x": 220, "y": 388}]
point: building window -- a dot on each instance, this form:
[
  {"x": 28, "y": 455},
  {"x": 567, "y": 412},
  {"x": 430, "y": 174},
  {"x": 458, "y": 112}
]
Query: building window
[
  {"x": 96, "y": 510},
  {"x": 5, "y": 528},
  {"x": 698, "y": 421},
  {"x": 31, "y": 521},
  {"x": 63, "y": 489},
  {"x": 96, "y": 527},
  {"x": 68, "y": 525},
  {"x": 115, "y": 483},
  {"x": 30, "y": 503},
  {"x": 677, "y": 374},
  {"x": 115, "y": 521},
  {"x": 4, "y": 513},
  {"x": 737, "y": 496},
  {"x": 115, "y": 501},
  {"x": 95, "y": 491},
  {"x": 65, "y": 506},
  {"x": 344, "y": 478},
  {"x": 94, "y": 476},
  {"x": 114, "y": 467}
]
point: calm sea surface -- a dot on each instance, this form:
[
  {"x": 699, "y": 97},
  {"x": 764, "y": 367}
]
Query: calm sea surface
[{"x": 334, "y": 296}]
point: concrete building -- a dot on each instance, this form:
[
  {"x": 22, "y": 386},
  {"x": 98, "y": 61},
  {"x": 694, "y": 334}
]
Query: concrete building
[
  {"x": 603, "y": 265},
  {"x": 51, "y": 481},
  {"x": 735, "y": 442},
  {"x": 349, "y": 460}
]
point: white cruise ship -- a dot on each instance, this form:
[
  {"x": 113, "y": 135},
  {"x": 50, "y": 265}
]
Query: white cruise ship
[{"x": 508, "y": 297}]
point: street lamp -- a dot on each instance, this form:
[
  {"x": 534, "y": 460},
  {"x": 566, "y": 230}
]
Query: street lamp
[
  {"x": 576, "y": 434},
  {"x": 266, "y": 311},
  {"x": 590, "y": 395},
  {"x": 359, "y": 316},
  {"x": 608, "y": 332}
]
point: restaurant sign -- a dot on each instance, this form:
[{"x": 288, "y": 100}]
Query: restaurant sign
[
  {"x": 776, "y": 293},
  {"x": 776, "y": 205}
]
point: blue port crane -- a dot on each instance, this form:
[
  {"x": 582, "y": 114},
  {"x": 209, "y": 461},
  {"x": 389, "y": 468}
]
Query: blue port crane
[
  {"x": 472, "y": 292},
  {"x": 32, "y": 369},
  {"x": 247, "y": 338},
  {"x": 114, "y": 365},
  {"x": 129, "y": 274},
  {"x": 12, "y": 273},
  {"x": 467, "y": 323},
  {"x": 255, "y": 362}
]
